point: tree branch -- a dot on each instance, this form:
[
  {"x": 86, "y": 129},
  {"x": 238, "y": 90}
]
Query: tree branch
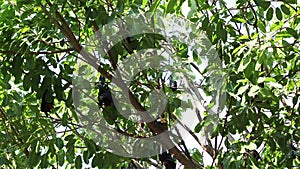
[{"x": 154, "y": 125}]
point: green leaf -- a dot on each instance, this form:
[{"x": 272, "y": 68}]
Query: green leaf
[
  {"x": 261, "y": 26},
  {"x": 46, "y": 84},
  {"x": 59, "y": 143},
  {"x": 265, "y": 79},
  {"x": 171, "y": 6},
  {"x": 221, "y": 32},
  {"x": 44, "y": 161},
  {"x": 291, "y": 1},
  {"x": 264, "y": 92},
  {"x": 278, "y": 13},
  {"x": 78, "y": 162},
  {"x": 269, "y": 14},
  {"x": 97, "y": 160},
  {"x": 285, "y": 9},
  {"x": 110, "y": 114},
  {"x": 68, "y": 69},
  {"x": 272, "y": 144},
  {"x": 69, "y": 100},
  {"x": 242, "y": 89},
  {"x": 244, "y": 63},
  {"x": 205, "y": 23},
  {"x": 71, "y": 155},
  {"x": 198, "y": 128},
  {"x": 198, "y": 156},
  {"x": 27, "y": 81},
  {"x": 74, "y": 115},
  {"x": 292, "y": 32},
  {"x": 33, "y": 159},
  {"x": 82, "y": 70},
  {"x": 250, "y": 71},
  {"x": 240, "y": 49},
  {"x": 295, "y": 99},
  {"x": 49, "y": 96},
  {"x": 90, "y": 145},
  {"x": 70, "y": 137},
  {"x": 276, "y": 26},
  {"x": 17, "y": 108},
  {"x": 251, "y": 146},
  {"x": 193, "y": 7},
  {"x": 86, "y": 156},
  {"x": 35, "y": 82},
  {"x": 6, "y": 100},
  {"x": 238, "y": 19},
  {"x": 253, "y": 91},
  {"x": 102, "y": 15},
  {"x": 16, "y": 68},
  {"x": 2, "y": 160},
  {"x": 70, "y": 145},
  {"x": 51, "y": 151},
  {"x": 274, "y": 84},
  {"x": 64, "y": 119},
  {"x": 154, "y": 6},
  {"x": 264, "y": 4},
  {"x": 61, "y": 157},
  {"x": 85, "y": 84},
  {"x": 58, "y": 90},
  {"x": 209, "y": 32}
]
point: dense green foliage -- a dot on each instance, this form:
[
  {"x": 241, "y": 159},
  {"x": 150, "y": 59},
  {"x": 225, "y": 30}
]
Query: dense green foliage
[{"x": 258, "y": 43}]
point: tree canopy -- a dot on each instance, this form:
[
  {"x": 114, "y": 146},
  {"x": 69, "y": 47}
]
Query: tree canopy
[{"x": 61, "y": 60}]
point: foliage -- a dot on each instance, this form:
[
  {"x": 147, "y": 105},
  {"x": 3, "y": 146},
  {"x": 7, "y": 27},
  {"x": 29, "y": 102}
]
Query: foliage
[{"x": 257, "y": 41}]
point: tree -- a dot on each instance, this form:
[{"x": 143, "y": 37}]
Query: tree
[{"x": 257, "y": 43}]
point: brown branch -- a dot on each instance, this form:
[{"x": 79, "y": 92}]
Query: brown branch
[
  {"x": 229, "y": 11},
  {"x": 154, "y": 164},
  {"x": 255, "y": 22},
  {"x": 98, "y": 34},
  {"x": 154, "y": 125},
  {"x": 240, "y": 8},
  {"x": 204, "y": 147},
  {"x": 290, "y": 74},
  {"x": 67, "y": 32},
  {"x": 64, "y": 28}
]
